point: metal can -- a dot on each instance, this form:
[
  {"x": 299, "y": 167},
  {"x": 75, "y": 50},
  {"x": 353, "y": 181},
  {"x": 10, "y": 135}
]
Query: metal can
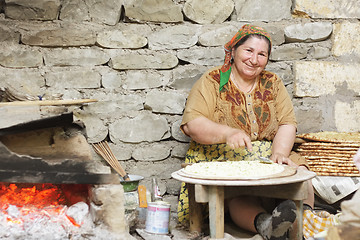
[{"x": 158, "y": 217}]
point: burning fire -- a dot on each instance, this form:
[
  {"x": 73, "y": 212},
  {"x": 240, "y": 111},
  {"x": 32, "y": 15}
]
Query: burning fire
[
  {"x": 48, "y": 211},
  {"x": 34, "y": 201}
]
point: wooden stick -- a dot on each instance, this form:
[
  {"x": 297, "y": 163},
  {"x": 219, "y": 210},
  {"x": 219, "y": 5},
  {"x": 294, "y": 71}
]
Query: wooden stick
[
  {"x": 48, "y": 102},
  {"x": 103, "y": 149},
  {"x": 113, "y": 158},
  {"x": 110, "y": 157},
  {"x": 105, "y": 155}
]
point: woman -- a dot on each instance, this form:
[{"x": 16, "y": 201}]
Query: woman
[{"x": 240, "y": 111}]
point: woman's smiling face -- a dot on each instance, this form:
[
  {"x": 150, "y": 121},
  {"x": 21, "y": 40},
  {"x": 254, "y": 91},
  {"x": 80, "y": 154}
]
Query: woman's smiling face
[{"x": 251, "y": 57}]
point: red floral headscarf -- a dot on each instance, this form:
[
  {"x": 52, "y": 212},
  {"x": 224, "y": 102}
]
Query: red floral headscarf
[{"x": 245, "y": 30}]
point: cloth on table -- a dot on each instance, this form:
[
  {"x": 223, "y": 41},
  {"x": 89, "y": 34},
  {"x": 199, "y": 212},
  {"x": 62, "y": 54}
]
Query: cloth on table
[{"x": 316, "y": 222}]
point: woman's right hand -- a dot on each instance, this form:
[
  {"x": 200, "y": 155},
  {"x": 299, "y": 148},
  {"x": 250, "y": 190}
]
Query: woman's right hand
[
  {"x": 237, "y": 138},
  {"x": 205, "y": 131}
]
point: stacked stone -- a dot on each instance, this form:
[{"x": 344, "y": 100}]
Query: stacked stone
[{"x": 139, "y": 58}]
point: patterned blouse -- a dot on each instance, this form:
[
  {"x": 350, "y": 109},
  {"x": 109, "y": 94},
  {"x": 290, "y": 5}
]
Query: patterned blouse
[{"x": 259, "y": 113}]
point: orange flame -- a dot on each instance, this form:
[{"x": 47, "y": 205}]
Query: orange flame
[
  {"x": 45, "y": 199},
  {"x": 73, "y": 221}
]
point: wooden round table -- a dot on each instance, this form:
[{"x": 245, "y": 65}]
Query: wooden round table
[{"x": 213, "y": 192}]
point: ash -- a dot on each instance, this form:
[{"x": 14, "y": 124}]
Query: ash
[{"x": 73, "y": 222}]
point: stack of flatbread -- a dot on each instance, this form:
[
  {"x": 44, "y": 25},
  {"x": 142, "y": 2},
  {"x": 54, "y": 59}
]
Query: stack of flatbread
[{"x": 329, "y": 153}]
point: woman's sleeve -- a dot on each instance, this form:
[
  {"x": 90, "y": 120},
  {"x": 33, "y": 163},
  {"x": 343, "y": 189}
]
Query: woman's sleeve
[{"x": 201, "y": 101}]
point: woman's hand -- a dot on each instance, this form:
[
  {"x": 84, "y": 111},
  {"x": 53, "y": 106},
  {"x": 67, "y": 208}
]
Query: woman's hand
[
  {"x": 282, "y": 145},
  {"x": 282, "y": 159},
  {"x": 205, "y": 131},
  {"x": 237, "y": 138}
]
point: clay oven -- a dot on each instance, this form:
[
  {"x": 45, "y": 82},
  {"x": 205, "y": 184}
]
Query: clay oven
[{"x": 46, "y": 160}]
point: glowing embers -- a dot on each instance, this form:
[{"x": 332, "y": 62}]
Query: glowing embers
[
  {"x": 38, "y": 195},
  {"x": 42, "y": 210}
]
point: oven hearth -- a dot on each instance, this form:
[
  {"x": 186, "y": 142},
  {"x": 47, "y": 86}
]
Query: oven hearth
[
  {"x": 51, "y": 185},
  {"x": 48, "y": 211}
]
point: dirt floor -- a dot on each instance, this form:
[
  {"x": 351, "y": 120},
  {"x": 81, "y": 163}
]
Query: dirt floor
[
  {"x": 232, "y": 232},
  {"x": 178, "y": 232}
]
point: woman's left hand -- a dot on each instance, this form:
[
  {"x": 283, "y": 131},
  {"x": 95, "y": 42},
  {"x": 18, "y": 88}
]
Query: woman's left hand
[{"x": 281, "y": 159}]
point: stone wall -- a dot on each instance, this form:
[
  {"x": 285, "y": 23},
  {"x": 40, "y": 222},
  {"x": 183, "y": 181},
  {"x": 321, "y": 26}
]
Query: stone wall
[{"x": 139, "y": 58}]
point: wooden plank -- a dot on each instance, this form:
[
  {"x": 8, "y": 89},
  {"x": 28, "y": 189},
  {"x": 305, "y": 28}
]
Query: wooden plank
[
  {"x": 296, "y": 230},
  {"x": 195, "y": 211},
  {"x": 293, "y": 191},
  {"x": 201, "y": 193},
  {"x": 216, "y": 211}
]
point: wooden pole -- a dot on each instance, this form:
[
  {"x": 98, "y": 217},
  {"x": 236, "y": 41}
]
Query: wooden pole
[{"x": 48, "y": 102}]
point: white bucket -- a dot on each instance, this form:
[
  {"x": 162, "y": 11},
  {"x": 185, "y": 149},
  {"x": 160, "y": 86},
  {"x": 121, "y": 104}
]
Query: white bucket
[{"x": 158, "y": 217}]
